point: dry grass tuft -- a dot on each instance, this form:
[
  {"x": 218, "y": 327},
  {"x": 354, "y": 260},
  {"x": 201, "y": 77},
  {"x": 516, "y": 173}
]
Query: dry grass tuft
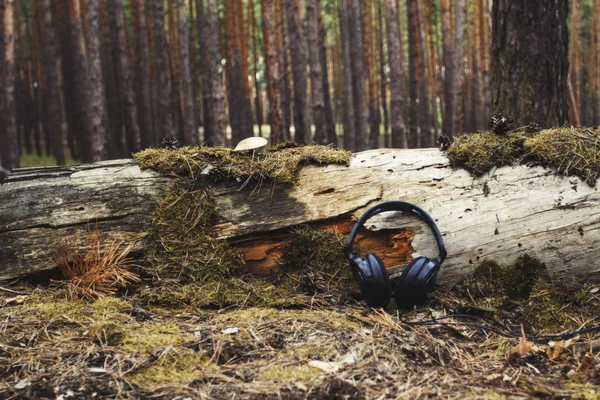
[{"x": 91, "y": 272}]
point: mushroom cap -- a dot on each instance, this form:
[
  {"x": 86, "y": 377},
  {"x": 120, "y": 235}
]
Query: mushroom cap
[{"x": 251, "y": 143}]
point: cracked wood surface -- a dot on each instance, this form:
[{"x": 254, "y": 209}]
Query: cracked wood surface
[{"x": 506, "y": 213}]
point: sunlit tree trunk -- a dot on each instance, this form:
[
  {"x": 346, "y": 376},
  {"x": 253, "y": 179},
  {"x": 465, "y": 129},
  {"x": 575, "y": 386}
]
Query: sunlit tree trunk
[
  {"x": 529, "y": 83},
  {"x": 273, "y": 70},
  {"x": 459, "y": 63},
  {"x": 298, "y": 56},
  {"x": 284, "y": 82},
  {"x": 369, "y": 50},
  {"x": 397, "y": 104},
  {"x": 9, "y": 151},
  {"x": 347, "y": 94}
]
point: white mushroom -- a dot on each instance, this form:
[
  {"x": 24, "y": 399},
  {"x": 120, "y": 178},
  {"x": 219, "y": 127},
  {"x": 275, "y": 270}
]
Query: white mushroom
[{"x": 251, "y": 143}]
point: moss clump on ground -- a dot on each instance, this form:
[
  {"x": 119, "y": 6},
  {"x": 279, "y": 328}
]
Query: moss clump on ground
[
  {"x": 221, "y": 163},
  {"x": 525, "y": 292},
  {"x": 569, "y": 151}
]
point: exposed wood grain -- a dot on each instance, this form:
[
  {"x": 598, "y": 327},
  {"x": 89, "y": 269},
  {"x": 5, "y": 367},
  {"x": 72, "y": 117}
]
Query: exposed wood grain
[{"x": 509, "y": 212}]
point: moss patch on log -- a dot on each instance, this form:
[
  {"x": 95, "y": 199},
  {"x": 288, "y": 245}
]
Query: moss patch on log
[
  {"x": 191, "y": 268},
  {"x": 569, "y": 151},
  {"x": 219, "y": 163}
]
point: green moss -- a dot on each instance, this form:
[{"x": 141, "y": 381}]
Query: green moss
[
  {"x": 48, "y": 307},
  {"x": 174, "y": 366},
  {"x": 292, "y": 373},
  {"x": 314, "y": 262},
  {"x": 148, "y": 338},
  {"x": 279, "y": 166},
  {"x": 569, "y": 151},
  {"x": 479, "y": 152}
]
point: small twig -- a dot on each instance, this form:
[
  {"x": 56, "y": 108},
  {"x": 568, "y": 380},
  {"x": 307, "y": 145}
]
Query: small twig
[{"x": 10, "y": 290}]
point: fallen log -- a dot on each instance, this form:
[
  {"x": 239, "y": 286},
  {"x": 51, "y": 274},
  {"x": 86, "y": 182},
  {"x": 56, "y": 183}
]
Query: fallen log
[{"x": 507, "y": 212}]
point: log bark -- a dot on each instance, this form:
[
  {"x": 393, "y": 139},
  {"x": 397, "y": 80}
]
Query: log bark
[{"x": 513, "y": 211}]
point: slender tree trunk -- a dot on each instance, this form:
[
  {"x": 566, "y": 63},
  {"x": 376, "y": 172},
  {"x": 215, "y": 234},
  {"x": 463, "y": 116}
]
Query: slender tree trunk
[
  {"x": 575, "y": 60},
  {"x": 347, "y": 94},
  {"x": 448, "y": 128},
  {"x": 298, "y": 55},
  {"x": 415, "y": 117},
  {"x": 97, "y": 107},
  {"x": 426, "y": 127},
  {"x": 142, "y": 77},
  {"x": 52, "y": 82},
  {"x": 432, "y": 62},
  {"x": 382, "y": 74},
  {"x": 459, "y": 64},
  {"x": 212, "y": 78},
  {"x": 368, "y": 48},
  {"x": 164, "y": 105},
  {"x": 327, "y": 103},
  {"x": 172, "y": 37},
  {"x": 284, "y": 83},
  {"x": 529, "y": 83},
  {"x": 9, "y": 151},
  {"x": 316, "y": 72},
  {"x": 124, "y": 77},
  {"x": 273, "y": 70},
  {"x": 361, "y": 114},
  {"x": 399, "y": 138},
  {"x": 189, "y": 117},
  {"x": 258, "y": 109}
]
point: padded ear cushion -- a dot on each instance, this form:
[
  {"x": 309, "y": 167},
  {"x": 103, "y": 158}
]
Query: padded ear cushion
[
  {"x": 377, "y": 290},
  {"x": 416, "y": 280}
]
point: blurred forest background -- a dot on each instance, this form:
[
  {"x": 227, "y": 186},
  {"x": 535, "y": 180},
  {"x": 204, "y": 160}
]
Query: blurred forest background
[{"x": 90, "y": 80}]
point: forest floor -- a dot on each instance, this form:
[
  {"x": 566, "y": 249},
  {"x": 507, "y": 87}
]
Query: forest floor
[{"x": 118, "y": 347}]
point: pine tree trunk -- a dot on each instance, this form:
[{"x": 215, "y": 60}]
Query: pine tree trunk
[
  {"x": 189, "y": 117},
  {"x": 164, "y": 112},
  {"x": 298, "y": 55},
  {"x": 273, "y": 70},
  {"x": 575, "y": 60},
  {"x": 460, "y": 14},
  {"x": 9, "y": 151},
  {"x": 81, "y": 82},
  {"x": 124, "y": 77},
  {"x": 258, "y": 109},
  {"x": 212, "y": 80},
  {"x": 316, "y": 72},
  {"x": 529, "y": 83},
  {"x": 415, "y": 117},
  {"x": 397, "y": 103},
  {"x": 97, "y": 107},
  {"x": 369, "y": 48},
  {"x": 450, "y": 72},
  {"x": 327, "y": 103},
  {"x": 142, "y": 77},
  {"x": 382, "y": 74},
  {"x": 359, "y": 95},
  {"x": 432, "y": 62},
  {"x": 52, "y": 82},
  {"x": 425, "y": 129},
  {"x": 284, "y": 83},
  {"x": 347, "y": 94}
]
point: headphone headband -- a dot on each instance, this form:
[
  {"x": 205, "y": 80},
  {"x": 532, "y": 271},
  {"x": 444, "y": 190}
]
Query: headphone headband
[{"x": 397, "y": 205}]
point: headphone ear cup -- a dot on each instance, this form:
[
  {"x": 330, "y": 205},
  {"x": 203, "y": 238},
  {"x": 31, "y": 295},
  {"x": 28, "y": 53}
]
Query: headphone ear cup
[
  {"x": 377, "y": 293},
  {"x": 415, "y": 282}
]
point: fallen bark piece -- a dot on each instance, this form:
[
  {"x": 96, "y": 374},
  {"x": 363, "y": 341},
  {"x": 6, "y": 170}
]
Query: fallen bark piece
[{"x": 505, "y": 213}]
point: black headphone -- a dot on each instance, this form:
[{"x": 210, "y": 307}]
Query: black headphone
[{"x": 416, "y": 279}]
